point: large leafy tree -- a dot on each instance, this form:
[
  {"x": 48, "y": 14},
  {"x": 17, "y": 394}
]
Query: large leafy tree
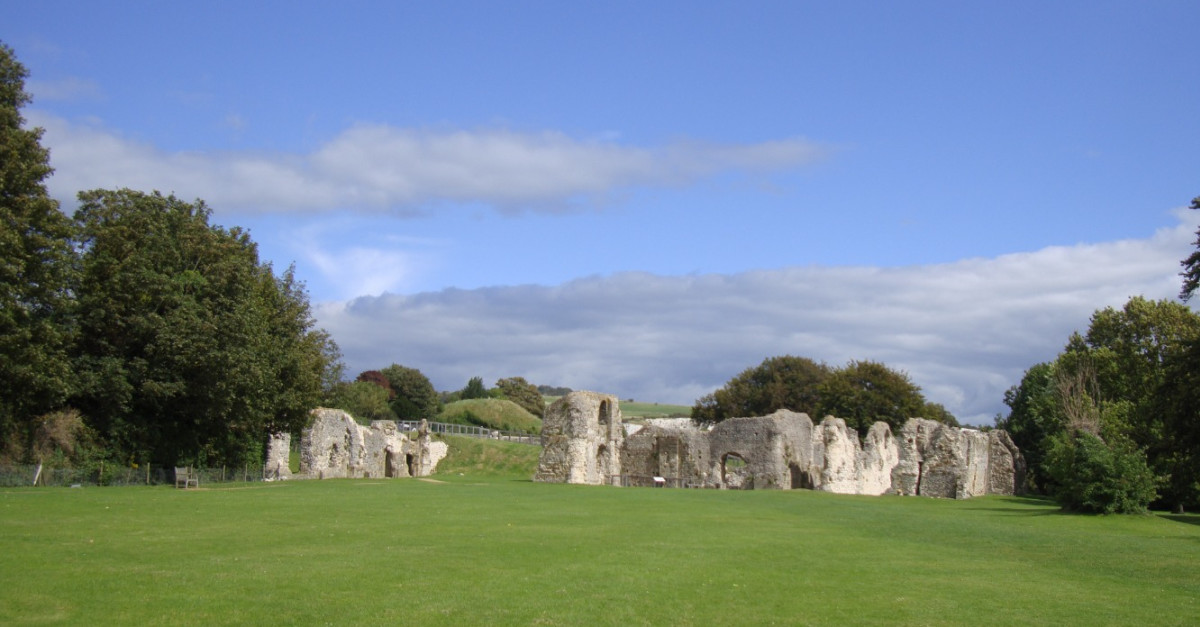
[
  {"x": 786, "y": 382},
  {"x": 36, "y": 264},
  {"x": 415, "y": 396},
  {"x": 865, "y": 392},
  {"x": 523, "y": 393},
  {"x": 190, "y": 348},
  {"x": 1134, "y": 373}
]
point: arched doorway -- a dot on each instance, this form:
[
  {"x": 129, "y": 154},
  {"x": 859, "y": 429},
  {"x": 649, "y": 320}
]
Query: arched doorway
[{"x": 735, "y": 472}]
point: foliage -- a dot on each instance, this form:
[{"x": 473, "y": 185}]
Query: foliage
[
  {"x": 376, "y": 377},
  {"x": 36, "y": 270},
  {"x": 190, "y": 349},
  {"x": 938, "y": 412},
  {"x": 523, "y": 393},
  {"x": 1090, "y": 475},
  {"x": 1033, "y": 417},
  {"x": 415, "y": 397},
  {"x": 473, "y": 389},
  {"x": 1127, "y": 378},
  {"x": 549, "y": 390},
  {"x": 785, "y": 382},
  {"x": 364, "y": 400},
  {"x": 1191, "y": 265},
  {"x": 866, "y": 392},
  {"x": 493, "y": 413}
]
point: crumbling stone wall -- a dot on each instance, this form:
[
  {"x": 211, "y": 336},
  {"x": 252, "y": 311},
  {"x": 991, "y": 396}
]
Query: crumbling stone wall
[
  {"x": 780, "y": 451},
  {"x": 334, "y": 445},
  {"x": 582, "y": 437},
  {"x": 949, "y": 462},
  {"x": 279, "y": 449}
]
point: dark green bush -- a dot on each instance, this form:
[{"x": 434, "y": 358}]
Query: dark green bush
[{"x": 1091, "y": 475}]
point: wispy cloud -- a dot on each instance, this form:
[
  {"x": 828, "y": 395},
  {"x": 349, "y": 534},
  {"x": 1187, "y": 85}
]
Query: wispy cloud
[
  {"x": 964, "y": 331},
  {"x": 70, "y": 89},
  {"x": 384, "y": 168}
]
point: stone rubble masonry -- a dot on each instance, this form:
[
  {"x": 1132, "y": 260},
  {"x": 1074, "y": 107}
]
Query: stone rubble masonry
[
  {"x": 584, "y": 442},
  {"x": 334, "y": 446},
  {"x": 279, "y": 449},
  {"x": 582, "y": 437}
]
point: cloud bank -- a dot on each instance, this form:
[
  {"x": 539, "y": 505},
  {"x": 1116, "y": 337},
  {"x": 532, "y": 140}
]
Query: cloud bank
[
  {"x": 384, "y": 168},
  {"x": 964, "y": 331}
]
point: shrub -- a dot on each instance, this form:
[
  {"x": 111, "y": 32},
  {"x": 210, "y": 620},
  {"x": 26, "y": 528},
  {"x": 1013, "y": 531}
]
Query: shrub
[{"x": 1091, "y": 475}]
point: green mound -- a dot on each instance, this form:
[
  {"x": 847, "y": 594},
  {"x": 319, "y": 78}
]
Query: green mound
[
  {"x": 491, "y": 413},
  {"x": 477, "y": 457}
]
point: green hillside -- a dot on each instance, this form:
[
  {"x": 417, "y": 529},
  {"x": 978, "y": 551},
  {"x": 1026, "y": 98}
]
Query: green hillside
[{"x": 491, "y": 413}]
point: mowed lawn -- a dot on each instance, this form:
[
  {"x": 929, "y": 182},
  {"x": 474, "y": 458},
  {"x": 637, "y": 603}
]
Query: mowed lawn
[{"x": 470, "y": 551}]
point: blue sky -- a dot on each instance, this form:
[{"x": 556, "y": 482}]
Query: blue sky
[{"x": 647, "y": 198}]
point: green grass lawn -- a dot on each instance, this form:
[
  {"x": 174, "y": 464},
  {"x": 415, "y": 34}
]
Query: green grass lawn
[{"x": 476, "y": 550}]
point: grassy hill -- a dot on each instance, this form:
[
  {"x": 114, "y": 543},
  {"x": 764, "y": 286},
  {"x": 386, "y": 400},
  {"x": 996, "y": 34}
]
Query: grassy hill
[
  {"x": 488, "y": 458},
  {"x": 502, "y": 550},
  {"x": 491, "y": 413}
]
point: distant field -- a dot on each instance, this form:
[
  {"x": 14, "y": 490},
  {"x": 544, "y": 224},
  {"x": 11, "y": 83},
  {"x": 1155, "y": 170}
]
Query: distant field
[{"x": 493, "y": 548}]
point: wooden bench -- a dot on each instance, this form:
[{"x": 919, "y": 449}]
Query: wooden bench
[{"x": 185, "y": 477}]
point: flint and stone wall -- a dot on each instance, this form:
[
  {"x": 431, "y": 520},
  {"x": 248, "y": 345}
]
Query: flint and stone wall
[
  {"x": 334, "y": 445},
  {"x": 581, "y": 433}
]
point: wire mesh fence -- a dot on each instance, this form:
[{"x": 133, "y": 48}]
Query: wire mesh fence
[{"x": 116, "y": 475}]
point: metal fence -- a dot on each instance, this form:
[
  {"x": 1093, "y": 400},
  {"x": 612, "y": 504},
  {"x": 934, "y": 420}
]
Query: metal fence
[
  {"x": 472, "y": 431},
  {"x": 112, "y": 475}
]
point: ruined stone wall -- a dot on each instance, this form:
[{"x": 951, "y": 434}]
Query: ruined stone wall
[
  {"x": 774, "y": 448},
  {"x": 582, "y": 437},
  {"x": 678, "y": 454},
  {"x": 949, "y": 462},
  {"x": 334, "y": 445},
  {"x": 279, "y": 449}
]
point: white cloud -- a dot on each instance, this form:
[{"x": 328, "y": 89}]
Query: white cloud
[
  {"x": 964, "y": 331},
  {"x": 383, "y": 168}
]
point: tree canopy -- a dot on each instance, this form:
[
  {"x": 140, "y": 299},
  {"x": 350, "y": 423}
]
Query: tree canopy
[
  {"x": 865, "y": 392},
  {"x": 190, "y": 349},
  {"x": 36, "y": 270},
  {"x": 1191, "y": 264},
  {"x": 1128, "y": 381},
  {"x": 415, "y": 396},
  {"x": 785, "y": 382},
  {"x": 523, "y": 393}
]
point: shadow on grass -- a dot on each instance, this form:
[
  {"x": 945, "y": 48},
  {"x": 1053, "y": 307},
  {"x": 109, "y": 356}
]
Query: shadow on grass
[
  {"x": 1025, "y": 506},
  {"x": 1188, "y": 519}
]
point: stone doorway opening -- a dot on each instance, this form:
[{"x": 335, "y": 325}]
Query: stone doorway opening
[{"x": 735, "y": 472}]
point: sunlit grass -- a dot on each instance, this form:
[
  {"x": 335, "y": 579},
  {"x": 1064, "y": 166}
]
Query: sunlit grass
[{"x": 498, "y": 549}]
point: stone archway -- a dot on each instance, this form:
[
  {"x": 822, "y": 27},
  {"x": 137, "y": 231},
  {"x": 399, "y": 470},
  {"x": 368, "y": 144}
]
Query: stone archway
[{"x": 735, "y": 472}]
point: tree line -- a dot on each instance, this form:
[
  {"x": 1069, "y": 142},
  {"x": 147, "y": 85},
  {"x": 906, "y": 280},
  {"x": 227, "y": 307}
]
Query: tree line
[
  {"x": 861, "y": 393},
  {"x": 402, "y": 393},
  {"x": 136, "y": 330}
]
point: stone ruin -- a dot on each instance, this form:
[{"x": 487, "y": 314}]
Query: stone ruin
[
  {"x": 334, "y": 445},
  {"x": 583, "y": 441}
]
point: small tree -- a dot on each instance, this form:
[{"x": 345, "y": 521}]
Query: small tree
[
  {"x": 415, "y": 396},
  {"x": 364, "y": 400},
  {"x": 866, "y": 392},
  {"x": 785, "y": 382},
  {"x": 1091, "y": 475},
  {"x": 474, "y": 389},
  {"x": 523, "y": 393}
]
